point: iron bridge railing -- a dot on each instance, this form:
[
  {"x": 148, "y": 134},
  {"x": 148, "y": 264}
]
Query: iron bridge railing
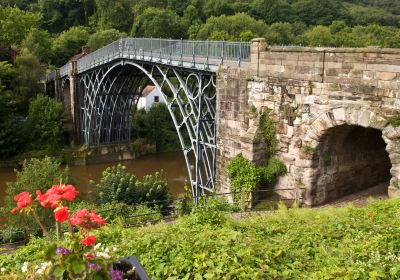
[{"x": 202, "y": 55}]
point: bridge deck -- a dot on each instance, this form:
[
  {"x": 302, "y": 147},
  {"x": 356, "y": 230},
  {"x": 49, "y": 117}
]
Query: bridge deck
[{"x": 199, "y": 55}]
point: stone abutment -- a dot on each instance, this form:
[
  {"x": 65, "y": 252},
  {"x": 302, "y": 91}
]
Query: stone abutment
[{"x": 336, "y": 113}]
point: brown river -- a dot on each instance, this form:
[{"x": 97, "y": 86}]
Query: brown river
[{"x": 172, "y": 164}]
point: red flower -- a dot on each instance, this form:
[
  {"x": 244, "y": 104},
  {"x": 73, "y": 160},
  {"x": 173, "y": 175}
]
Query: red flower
[
  {"x": 55, "y": 194},
  {"x": 89, "y": 240},
  {"x": 23, "y": 199},
  {"x": 49, "y": 199},
  {"x": 69, "y": 193},
  {"x": 78, "y": 217},
  {"x": 96, "y": 218},
  {"x": 61, "y": 214},
  {"x": 87, "y": 220},
  {"x": 14, "y": 211},
  {"x": 89, "y": 256}
]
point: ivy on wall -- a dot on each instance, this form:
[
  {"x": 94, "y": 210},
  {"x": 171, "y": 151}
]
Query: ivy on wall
[{"x": 245, "y": 175}]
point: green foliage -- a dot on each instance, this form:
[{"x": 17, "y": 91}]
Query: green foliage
[
  {"x": 103, "y": 38},
  {"x": 308, "y": 150},
  {"x": 61, "y": 15},
  {"x": 327, "y": 243},
  {"x": 69, "y": 43},
  {"x": 37, "y": 42},
  {"x": 230, "y": 28},
  {"x": 25, "y": 84},
  {"x": 36, "y": 174},
  {"x": 158, "y": 23},
  {"x": 272, "y": 170},
  {"x": 46, "y": 125},
  {"x": 210, "y": 213},
  {"x": 113, "y": 15},
  {"x": 16, "y": 24},
  {"x": 13, "y": 136},
  {"x": 156, "y": 127},
  {"x": 11, "y": 235},
  {"x": 244, "y": 175},
  {"x": 119, "y": 185},
  {"x": 269, "y": 134}
]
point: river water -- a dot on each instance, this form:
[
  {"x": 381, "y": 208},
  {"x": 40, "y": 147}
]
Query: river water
[{"x": 172, "y": 164}]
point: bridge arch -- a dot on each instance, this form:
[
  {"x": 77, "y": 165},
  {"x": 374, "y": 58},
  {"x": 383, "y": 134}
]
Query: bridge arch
[
  {"x": 190, "y": 98},
  {"x": 344, "y": 150}
]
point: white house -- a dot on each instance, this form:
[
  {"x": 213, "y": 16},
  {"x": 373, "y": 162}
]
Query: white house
[{"x": 149, "y": 96}]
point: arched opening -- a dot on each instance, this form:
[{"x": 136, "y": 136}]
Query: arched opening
[{"x": 350, "y": 158}]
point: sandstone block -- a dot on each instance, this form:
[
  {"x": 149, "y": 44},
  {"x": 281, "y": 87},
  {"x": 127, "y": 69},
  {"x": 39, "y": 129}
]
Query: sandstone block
[{"x": 386, "y": 76}]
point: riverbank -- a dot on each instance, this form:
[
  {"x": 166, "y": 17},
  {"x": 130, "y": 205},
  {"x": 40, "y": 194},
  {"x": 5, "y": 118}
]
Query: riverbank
[{"x": 172, "y": 164}]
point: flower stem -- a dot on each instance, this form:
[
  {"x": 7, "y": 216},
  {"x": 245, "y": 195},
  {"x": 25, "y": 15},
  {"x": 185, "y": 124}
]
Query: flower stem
[{"x": 45, "y": 232}]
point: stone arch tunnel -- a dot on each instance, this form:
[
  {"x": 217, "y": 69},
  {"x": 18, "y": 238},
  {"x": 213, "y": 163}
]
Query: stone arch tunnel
[{"x": 333, "y": 111}]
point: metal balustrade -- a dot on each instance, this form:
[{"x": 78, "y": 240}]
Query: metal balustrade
[{"x": 201, "y": 55}]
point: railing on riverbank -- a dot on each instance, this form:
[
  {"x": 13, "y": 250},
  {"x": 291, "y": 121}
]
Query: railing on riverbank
[{"x": 236, "y": 203}]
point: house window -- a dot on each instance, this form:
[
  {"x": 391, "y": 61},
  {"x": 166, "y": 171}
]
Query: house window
[{"x": 156, "y": 99}]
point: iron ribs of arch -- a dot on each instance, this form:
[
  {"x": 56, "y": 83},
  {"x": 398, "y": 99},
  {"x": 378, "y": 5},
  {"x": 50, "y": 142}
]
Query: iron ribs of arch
[{"x": 109, "y": 93}]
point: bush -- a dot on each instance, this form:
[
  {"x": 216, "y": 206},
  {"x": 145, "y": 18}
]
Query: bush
[
  {"x": 36, "y": 174},
  {"x": 118, "y": 185}
]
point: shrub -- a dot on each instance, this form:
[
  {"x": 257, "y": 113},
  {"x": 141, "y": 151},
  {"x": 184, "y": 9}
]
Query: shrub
[
  {"x": 36, "y": 174},
  {"x": 244, "y": 175},
  {"x": 11, "y": 235},
  {"x": 118, "y": 185}
]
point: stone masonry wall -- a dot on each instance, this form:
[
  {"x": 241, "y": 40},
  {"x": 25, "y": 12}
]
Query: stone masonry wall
[{"x": 309, "y": 91}]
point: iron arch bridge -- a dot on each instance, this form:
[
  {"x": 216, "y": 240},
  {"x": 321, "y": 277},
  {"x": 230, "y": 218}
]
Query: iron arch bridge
[{"x": 104, "y": 87}]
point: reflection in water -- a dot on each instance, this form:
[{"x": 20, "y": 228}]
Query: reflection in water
[{"x": 173, "y": 165}]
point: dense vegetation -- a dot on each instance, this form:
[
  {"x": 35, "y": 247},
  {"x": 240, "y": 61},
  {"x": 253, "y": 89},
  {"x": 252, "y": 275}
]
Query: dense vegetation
[{"x": 328, "y": 243}]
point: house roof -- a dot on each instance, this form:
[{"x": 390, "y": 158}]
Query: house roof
[
  {"x": 147, "y": 90},
  {"x": 84, "y": 51}
]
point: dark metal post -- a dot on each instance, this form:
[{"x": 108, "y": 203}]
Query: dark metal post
[{"x": 151, "y": 49}]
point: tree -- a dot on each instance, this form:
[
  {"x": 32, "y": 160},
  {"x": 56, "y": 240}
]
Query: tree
[
  {"x": 104, "y": 37},
  {"x": 15, "y": 25},
  {"x": 46, "y": 125},
  {"x": 25, "y": 85},
  {"x": 159, "y": 23},
  {"x": 217, "y": 8},
  {"x": 37, "y": 42},
  {"x": 228, "y": 28},
  {"x": 280, "y": 34},
  {"x": 60, "y": 15},
  {"x": 69, "y": 43},
  {"x": 272, "y": 11},
  {"x": 318, "y": 12},
  {"x": 318, "y": 36},
  {"x": 115, "y": 14}
]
